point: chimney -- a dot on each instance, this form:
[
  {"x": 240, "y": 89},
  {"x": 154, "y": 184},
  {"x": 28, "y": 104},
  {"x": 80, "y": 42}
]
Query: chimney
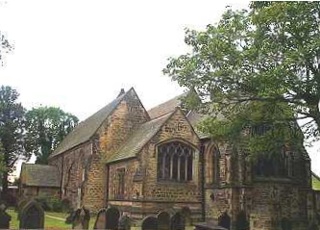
[{"x": 121, "y": 92}]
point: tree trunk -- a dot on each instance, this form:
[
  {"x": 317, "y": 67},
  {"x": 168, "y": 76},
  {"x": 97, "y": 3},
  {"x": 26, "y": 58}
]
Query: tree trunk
[{"x": 4, "y": 184}]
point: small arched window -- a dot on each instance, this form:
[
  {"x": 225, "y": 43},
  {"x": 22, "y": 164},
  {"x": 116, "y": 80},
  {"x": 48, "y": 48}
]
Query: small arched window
[{"x": 175, "y": 162}]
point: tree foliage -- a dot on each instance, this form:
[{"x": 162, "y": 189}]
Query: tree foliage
[
  {"x": 254, "y": 67},
  {"x": 45, "y": 129},
  {"x": 2, "y": 164},
  {"x": 11, "y": 131}
]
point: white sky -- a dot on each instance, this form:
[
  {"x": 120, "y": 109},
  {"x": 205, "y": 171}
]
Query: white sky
[{"x": 78, "y": 54}]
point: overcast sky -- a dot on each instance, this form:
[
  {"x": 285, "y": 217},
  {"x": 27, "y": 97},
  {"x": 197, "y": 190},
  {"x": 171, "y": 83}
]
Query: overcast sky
[{"x": 78, "y": 54}]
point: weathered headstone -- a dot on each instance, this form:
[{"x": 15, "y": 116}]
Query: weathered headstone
[
  {"x": 177, "y": 222},
  {"x": 101, "y": 220},
  {"x": 163, "y": 221},
  {"x": 32, "y": 216},
  {"x": 124, "y": 223},
  {"x": 112, "y": 217},
  {"x": 5, "y": 218},
  {"x": 79, "y": 218},
  {"x": 20, "y": 205},
  {"x": 150, "y": 223},
  {"x": 186, "y": 215},
  {"x": 224, "y": 220}
]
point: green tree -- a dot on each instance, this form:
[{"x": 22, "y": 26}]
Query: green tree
[
  {"x": 11, "y": 131},
  {"x": 45, "y": 129},
  {"x": 2, "y": 164},
  {"x": 255, "y": 67}
]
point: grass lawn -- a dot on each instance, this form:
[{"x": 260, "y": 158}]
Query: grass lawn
[
  {"x": 53, "y": 220},
  {"x": 315, "y": 183}
]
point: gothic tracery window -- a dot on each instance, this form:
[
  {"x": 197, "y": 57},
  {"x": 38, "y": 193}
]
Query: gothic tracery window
[{"x": 175, "y": 162}]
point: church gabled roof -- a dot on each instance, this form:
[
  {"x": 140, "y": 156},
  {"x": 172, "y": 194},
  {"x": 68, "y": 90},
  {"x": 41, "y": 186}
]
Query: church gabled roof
[
  {"x": 169, "y": 106},
  {"x": 86, "y": 129},
  {"x": 166, "y": 107},
  {"x": 39, "y": 175},
  {"x": 139, "y": 138}
]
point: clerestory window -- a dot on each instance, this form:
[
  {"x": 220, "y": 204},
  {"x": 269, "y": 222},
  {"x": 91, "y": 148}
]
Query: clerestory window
[{"x": 175, "y": 162}]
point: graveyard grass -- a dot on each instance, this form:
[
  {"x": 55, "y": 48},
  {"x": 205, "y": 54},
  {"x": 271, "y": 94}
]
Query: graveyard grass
[
  {"x": 53, "y": 220},
  {"x": 315, "y": 183}
]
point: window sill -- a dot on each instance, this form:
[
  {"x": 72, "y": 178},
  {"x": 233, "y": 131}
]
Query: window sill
[
  {"x": 175, "y": 183},
  {"x": 119, "y": 197},
  {"x": 273, "y": 179}
]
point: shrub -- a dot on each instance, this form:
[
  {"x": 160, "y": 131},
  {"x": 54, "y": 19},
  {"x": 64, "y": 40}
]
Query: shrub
[{"x": 54, "y": 204}]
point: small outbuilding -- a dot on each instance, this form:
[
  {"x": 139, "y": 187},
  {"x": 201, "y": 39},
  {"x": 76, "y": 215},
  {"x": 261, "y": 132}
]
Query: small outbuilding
[{"x": 39, "y": 180}]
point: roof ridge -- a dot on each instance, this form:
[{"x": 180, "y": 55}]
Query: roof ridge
[
  {"x": 166, "y": 106},
  {"x": 90, "y": 129},
  {"x": 175, "y": 97}
]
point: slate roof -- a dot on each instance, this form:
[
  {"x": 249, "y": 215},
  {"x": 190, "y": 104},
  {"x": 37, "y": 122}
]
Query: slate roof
[
  {"x": 166, "y": 107},
  {"x": 86, "y": 129},
  {"x": 139, "y": 138},
  {"x": 39, "y": 175},
  {"x": 169, "y": 106}
]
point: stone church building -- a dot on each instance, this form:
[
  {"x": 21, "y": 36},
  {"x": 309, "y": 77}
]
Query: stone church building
[{"x": 153, "y": 163}]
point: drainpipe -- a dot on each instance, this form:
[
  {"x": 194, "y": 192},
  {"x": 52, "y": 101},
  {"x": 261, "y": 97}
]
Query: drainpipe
[{"x": 202, "y": 150}]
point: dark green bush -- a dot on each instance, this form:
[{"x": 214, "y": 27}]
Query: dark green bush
[{"x": 54, "y": 204}]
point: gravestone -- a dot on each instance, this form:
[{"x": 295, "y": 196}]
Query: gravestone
[
  {"x": 5, "y": 218},
  {"x": 20, "y": 205},
  {"x": 186, "y": 215},
  {"x": 224, "y": 220},
  {"x": 112, "y": 217},
  {"x": 79, "y": 218},
  {"x": 150, "y": 223},
  {"x": 31, "y": 216},
  {"x": 124, "y": 223},
  {"x": 101, "y": 220},
  {"x": 163, "y": 221},
  {"x": 177, "y": 222}
]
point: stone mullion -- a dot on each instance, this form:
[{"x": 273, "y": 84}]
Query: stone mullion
[
  {"x": 163, "y": 166},
  {"x": 186, "y": 167},
  {"x": 179, "y": 161},
  {"x": 171, "y": 167},
  {"x": 214, "y": 168}
]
